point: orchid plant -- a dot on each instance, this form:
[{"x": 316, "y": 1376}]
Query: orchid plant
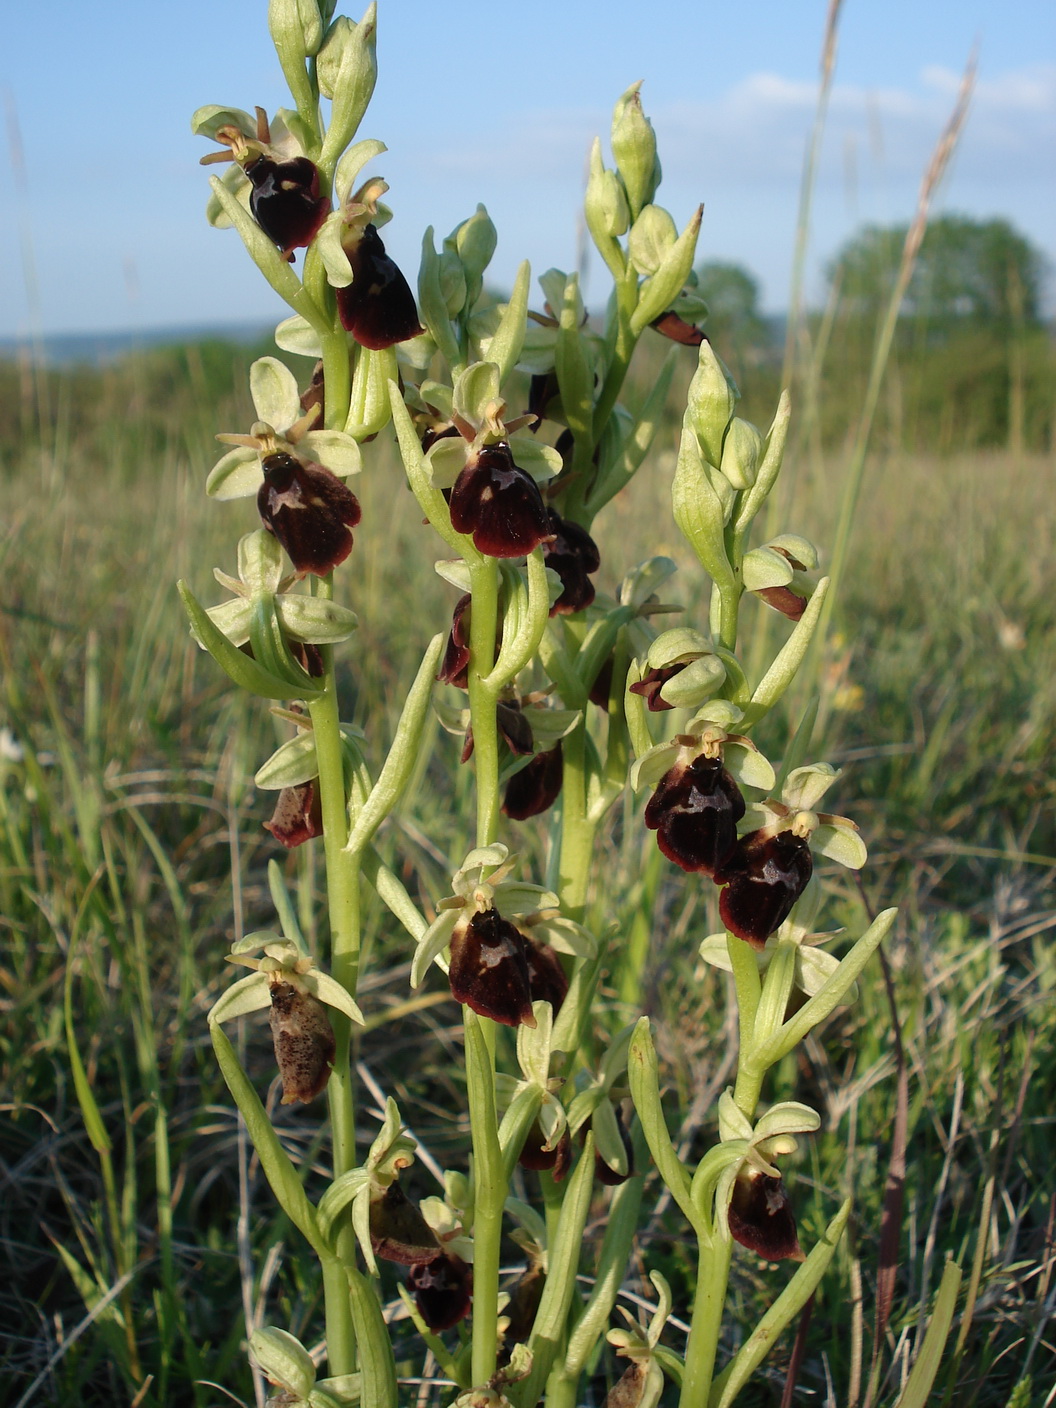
[{"x": 509, "y": 422}]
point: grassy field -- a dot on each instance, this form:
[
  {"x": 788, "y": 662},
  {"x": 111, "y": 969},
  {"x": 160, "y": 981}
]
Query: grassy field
[{"x": 135, "y": 1229}]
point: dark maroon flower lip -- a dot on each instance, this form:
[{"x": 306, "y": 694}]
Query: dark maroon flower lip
[
  {"x": 377, "y": 307},
  {"x": 489, "y": 969},
  {"x": 536, "y": 787},
  {"x": 309, "y": 510},
  {"x": 515, "y": 730},
  {"x": 298, "y": 815},
  {"x": 304, "y": 1042},
  {"x": 761, "y": 1219},
  {"x": 763, "y": 877},
  {"x": 783, "y": 599},
  {"x": 499, "y": 504},
  {"x": 573, "y": 555},
  {"x": 454, "y": 669},
  {"x": 670, "y": 325},
  {"x": 443, "y": 1290},
  {"x": 534, "y": 1154},
  {"x": 398, "y": 1231},
  {"x": 546, "y": 978},
  {"x": 285, "y": 200},
  {"x": 652, "y": 683},
  {"x": 694, "y": 812}
]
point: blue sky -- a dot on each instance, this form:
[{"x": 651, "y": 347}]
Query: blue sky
[{"x": 498, "y": 103}]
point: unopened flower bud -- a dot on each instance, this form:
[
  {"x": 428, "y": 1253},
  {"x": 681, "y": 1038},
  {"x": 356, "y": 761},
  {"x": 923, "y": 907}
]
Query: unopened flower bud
[
  {"x": 296, "y": 29},
  {"x": 710, "y": 403},
  {"x": 634, "y": 147},
  {"x": 606, "y": 202},
  {"x": 740, "y": 453}
]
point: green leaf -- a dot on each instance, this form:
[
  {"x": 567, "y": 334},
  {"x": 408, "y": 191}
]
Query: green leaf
[
  {"x": 642, "y": 1072},
  {"x": 788, "y": 659},
  {"x": 917, "y": 1392},
  {"x": 403, "y": 755},
  {"x": 275, "y": 1162},
  {"x": 783, "y": 1311},
  {"x": 373, "y": 1345}
]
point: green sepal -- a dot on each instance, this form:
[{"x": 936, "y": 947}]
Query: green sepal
[
  {"x": 522, "y": 1113},
  {"x": 403, "y": 755},
  {"x": 246, "y": 672},
  {"x": 777, "y": 988},
  {"x": 430, "y": 499},
  {"x": 474, "y": 241},
  {"x": 314, "y": 619},
  {"x": 267, "y": 258},
  {"x": 250, "y": 994},
  {"x": 784, "y": 1310},
  {"x": 475, "y": 390},
  {"x": 274, "y": 1161},
  {"x": 504, "y": 346},
  {"x": 642, "y": 1073},
  {"x": 352, "y": 163},
  {"x": 339, "y": 1196},
  {"x": 347, "y": 68},
  {"x": 659, "y": 291},
  {"x": 788, "y": 659},
  {"x": 575, "y": 377},
  {"x": 763, "y": 567},
  {"x": 699, "y": 512},
  {"x": 769, "y": 468},
  {"x": 815, "y": 1011},
  {"x": 293, "y": 763},
  {"x": 284, "y": 1360},
  {"x": 651, "y": 236},
  {"x": 741, "y": 451},
  {"x": 369, "y": 410}
]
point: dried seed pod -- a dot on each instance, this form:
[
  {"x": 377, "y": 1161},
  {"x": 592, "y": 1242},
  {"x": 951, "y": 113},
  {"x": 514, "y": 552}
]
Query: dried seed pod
[
  {"x": 694, "y": 812},
  {"x": 764, "y": 876},
  {"x": 304, "y": 1042}
]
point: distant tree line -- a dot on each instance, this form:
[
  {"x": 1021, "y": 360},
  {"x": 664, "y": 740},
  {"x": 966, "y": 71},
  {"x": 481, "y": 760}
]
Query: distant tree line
[{"x": 974, "y": 362}]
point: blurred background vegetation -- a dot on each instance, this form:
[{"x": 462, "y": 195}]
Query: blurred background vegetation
[{"x": 136, "y": 1236}]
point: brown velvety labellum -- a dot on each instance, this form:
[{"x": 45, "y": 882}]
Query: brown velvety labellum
[
  {"x": 309, "y": 510},
  {"x": 670, "y": 325},
  {"x": 525, "y": 1296},
  {"x": 304, "y": 1042},
  {"x": 443, "y": 1290},
  {"x": 627, "y": 1391},
  {"x": 602, "y": 686},
  {"x": 764, "y": 876},
  {"x": 285, "y": 200},
  {"x": 572, "y": 554},
  {"x": 785, "y": 600},
  {"x": 649, "y": 687},
  {"x": 298, "y": 815},
  {"x": 546, "y": 977},
  {"x": 489, "y": 969},
  {"x": 499, "y": 504},
  {"x": 455, "y": 665},
  {"x": 761, "y": 1218},
  {"x": 515, "y": 728},
  {"x": 377, "y": 307},
  {"x": 536, "y": 787},
  {"x": 694, "y": 812},
  {"x": 398, "y": 1231}
]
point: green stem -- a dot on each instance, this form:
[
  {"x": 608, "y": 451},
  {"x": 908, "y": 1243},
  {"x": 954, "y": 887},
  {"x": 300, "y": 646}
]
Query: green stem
[
  {"x": 749, "y": 988},
  {"x": 337, "y": 379},
  {"x": 622, "y": 352},
  {"x": 577, "y": 831},
  {"x": 484, "y": 586},
  {"x": 343, "y": 902},
  {"x": 489, "y": 1197},
  {"x": 713, "y": 1269}
]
